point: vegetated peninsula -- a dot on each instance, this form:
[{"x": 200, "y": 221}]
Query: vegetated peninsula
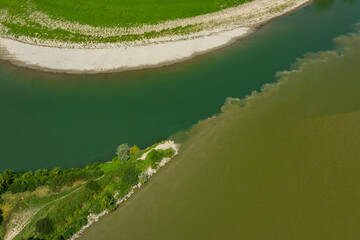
[
  {"x": 97, "y": 36},
  {"x": 60, "y": 204}
]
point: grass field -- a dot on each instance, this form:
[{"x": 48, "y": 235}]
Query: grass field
[
  {"x": 129, "y": 12},
  {"x": 73, "y": 21},
  {"x": 114, "y": 13}
]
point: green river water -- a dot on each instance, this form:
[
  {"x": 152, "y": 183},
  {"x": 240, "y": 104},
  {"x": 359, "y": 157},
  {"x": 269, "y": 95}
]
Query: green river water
[
  {"x": 281, "y": 164},
  {"x": 49, "y": 120}
]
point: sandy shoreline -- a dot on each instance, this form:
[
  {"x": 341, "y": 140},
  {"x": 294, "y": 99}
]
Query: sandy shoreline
[{"x": 58, "y": 57}]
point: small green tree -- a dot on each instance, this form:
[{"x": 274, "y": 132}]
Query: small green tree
[
  {"x": 122, "y": 152},
  {"x": 134, "y": 150},
  {"x": 44, "y": 226}
]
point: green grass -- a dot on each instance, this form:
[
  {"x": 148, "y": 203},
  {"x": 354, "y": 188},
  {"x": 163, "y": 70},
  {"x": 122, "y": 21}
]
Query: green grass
[
  {"x": 104, "y": 13},
  {"x": 110, "y": 13}
]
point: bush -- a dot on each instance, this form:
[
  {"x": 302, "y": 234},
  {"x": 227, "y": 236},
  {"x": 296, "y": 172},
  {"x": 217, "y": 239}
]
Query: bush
[
  {"x": 153, "y": 165},
  {"x": 94, "y": 165},
  {"x": 122, "y": 152},
  {"x": 143, "y": 178},
  {"x": 158, "y": 155},
  {"x": 93, "y": 186},
  {"x": 44, "y": 226},
  {"x": 1, "y": 217},
  {"x": 131, "y": 175},
  {"x": 95, "y": 208},
  {"x": 107, "y": 202},
  {"x": 6, "y": 179},
  {"x": 134, "y": 150},
  {"x": 168, "y": 152},
  {"x": 18, "y": 186},
  {"x": 154, "y": 155}
]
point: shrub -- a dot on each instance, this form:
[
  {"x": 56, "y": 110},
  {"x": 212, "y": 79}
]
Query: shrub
[
  {"x": 54, "y": 187},
  {"x": 131, "y": 175},
  {"x": 94, "y": 165},
  {"x": 93, "y": 186},
  {"x": 44, "y": 226},
  {"x": 107, "y": 201},
  {"x": 56, "y": 171},
  {"x": 153, "y": 164},
  {"x": 143, "y": 178},
  {"x": 122, "y": 152},
  {"x": 134, "y": 150},
  {"x": 95, "y": 208},
  {"x": 154, "y": 155},
  {"x": 18, "y": 186},
  {"x": 6, "y": 179},
  {"x": 1, "y": 217},
  {"x": 168, "y": 152}
]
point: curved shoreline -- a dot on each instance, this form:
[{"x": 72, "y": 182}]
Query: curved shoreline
[{"x": 140, "y": 54}]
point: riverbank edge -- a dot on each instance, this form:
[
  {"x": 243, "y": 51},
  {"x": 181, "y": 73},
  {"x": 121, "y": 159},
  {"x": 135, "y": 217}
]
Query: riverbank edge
[
  {"x": 15, "y": 226},
  {"x": 126, "y": 58},
  {"x": 92, "y": 218}
]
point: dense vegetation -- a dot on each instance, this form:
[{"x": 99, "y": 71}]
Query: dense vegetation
[
  {"x": 55, "y": 179},
  {"x": 59, "y": 201}
]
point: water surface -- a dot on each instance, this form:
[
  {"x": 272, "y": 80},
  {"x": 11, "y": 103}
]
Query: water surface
[
  {"x": 281, "y": 164},
  {"x": 49, "y": 120}
]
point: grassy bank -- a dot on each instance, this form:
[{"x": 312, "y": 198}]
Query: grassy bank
[
  {"x": 56, "y": 204},
  {"x": 40, "y": 19}
]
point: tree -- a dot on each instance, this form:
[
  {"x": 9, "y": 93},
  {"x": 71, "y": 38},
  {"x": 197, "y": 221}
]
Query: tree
[
  {"x": 44, "y": 226},
  {"x": 122, "y": 152},
  {"x": 134, "y": 150}
]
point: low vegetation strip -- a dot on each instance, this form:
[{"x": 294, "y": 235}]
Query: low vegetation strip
[
  {"x": 26, "y": 21},
  {"x": 115, "y": 13},
  {"x": 43, "y": 205},
  {"x": 71, "y": 20}
]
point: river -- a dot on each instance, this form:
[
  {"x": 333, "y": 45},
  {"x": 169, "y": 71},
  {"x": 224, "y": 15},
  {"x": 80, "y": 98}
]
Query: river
[
  {"x": 281, "y": 164},
  {"x": 49, "y": 120}
]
